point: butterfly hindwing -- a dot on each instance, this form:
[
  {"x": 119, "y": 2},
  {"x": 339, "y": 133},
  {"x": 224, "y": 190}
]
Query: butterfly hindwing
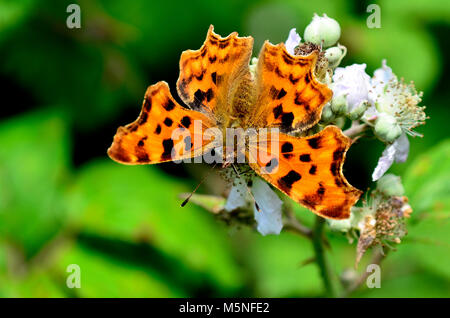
[
  {"x": 164, "y": 131},
  {"x": 309, "y": 170},
  {"x": 208, "y": 76},
  {"x": 289, "y": 96}
]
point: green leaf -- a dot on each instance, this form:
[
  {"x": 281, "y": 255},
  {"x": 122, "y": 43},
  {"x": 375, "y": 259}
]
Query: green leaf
[
  {"x": 390, "y": 42},
  {"x": 430, "y": 242},
  {"x": 103, "y": 276},
  {"x": 13, "y": 14},
  {"x": 275, "y": 262},
  {"x": 139, "y": 203},
  {"x": 33, "y": 167},
  {"x": 427, "y": 184},
  {"x": 427, "y": 181}
]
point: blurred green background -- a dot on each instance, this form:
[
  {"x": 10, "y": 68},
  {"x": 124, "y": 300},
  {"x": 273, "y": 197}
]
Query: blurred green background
[{"x": 63, "y": 201}]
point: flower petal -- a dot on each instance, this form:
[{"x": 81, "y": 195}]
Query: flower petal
[
  {"x": 238, "y": 196},
  {"x": 401, "y": 148},
  {"x": 269, "y": 217},
  {"x": 292, "y": 41},
  {"x": 353, "y": 82},
  {"x": 382, "y": 75},
  {"x": 384, "y": 163}
]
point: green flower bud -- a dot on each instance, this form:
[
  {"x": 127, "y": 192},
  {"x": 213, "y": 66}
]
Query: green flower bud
[
  {"x": 390, "y": 185},
  {"x": 322, "y": 30},
  {"x": 327, "y": 113},
  {"x": 358, "y": 111},
  {"x": 340, "y": 225},
  {"x": 339, "y": 104},
  {"x": 387, "y": 128},
  {"x": 347, "y": 224},
  {"x": 335, "y": 55}
]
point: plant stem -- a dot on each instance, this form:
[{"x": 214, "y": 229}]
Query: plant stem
[
  {"x": 355, "y": 129},
  {"x": 322, "y": 263},
  {"x": 293, "y": 224}
]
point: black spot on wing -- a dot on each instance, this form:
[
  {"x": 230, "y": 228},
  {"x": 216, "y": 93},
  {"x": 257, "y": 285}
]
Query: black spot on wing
[
  {"x": 293, "y": 79},
  {"x": 169, "y": 105},
  {"x": 199, "y": 77},
  {"x": 212, "y": 59},
  {"x": 168, "y": 122},
  {"x": 314, "y": 142},
  {"x": 334, "y": 168},
  {"x": 287, "y": 59},
  {"x": 147, "y": 105},
  {"x": 224, "y": 44},
  {"x": 286, "y": 148},
  {"x": 307, "y": 78},
  {"x": 141, "y": 142},
  {"x": 158, "y": 129},
  {"x": 199, "y": 97},
  {"x": 281, "y": 94},
  {"x": 168, "y": 146},
  {"x": 313, "y": 169},
  {"x": 209, "y": 94},
  {"x": 288, "y": 180},
  {"x": 338, "y": 154},
  {"x": 305, "y": 158},
  {"x": 321, "y": 190},
  {"x": 277, "y": 111},
  {"x": 186, "y": 121},
  {"x": 286, "y": 120}
]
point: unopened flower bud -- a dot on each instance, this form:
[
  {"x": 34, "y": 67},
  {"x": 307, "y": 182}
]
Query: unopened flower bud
[
  {"x": 387, "y": 128},
  {"x": 334, "y": 55},
  {"x": 340, "y": 225},
  {"x": 390, "y": 185},
  {"x": 339, "y": 104},
  {"x": 327, "y": 113},
  {"x": 322, "y": 30},
  {"x": 358, "y": 111}
]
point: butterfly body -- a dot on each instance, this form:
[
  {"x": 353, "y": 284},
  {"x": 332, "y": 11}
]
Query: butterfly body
[{"x": 245, "y": 108}]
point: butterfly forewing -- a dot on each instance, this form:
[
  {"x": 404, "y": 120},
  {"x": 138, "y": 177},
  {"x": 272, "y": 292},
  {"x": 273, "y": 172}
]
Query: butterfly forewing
[
  {"x": 164, "y": 131},
  {"x": 289, "y": 96},
  {"x": 209, "y": 76}
]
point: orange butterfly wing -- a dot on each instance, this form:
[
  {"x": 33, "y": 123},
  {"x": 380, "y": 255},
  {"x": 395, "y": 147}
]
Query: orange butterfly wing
[
  {"x": 289, "y": 96},
  {"x": 209, "y": 76},
  {"x": 308, "y": 169},
  {"x": 164, "y": 131}
]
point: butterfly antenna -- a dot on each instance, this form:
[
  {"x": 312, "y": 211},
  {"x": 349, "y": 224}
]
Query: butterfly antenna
[
  {"x": 248, "y": 189},
  {"x": 198, "y": 186}
]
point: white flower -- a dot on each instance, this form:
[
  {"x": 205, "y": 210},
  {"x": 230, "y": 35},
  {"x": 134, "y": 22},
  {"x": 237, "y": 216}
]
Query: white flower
[
  {"x": 397, "y": 152},
  {"x": 397, "y": 99},
  {"x": 380, "y": 77},
  {"x": 238, "y": 195},
  {"x": 352, "y": 82},
  {"x": 292, "y": 41},
  {"x": 269, "y": 216},
  {"x": 394, "y": 100}
]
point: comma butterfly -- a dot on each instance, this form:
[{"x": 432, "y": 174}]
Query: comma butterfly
[{"x": 216, "y": 84}]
